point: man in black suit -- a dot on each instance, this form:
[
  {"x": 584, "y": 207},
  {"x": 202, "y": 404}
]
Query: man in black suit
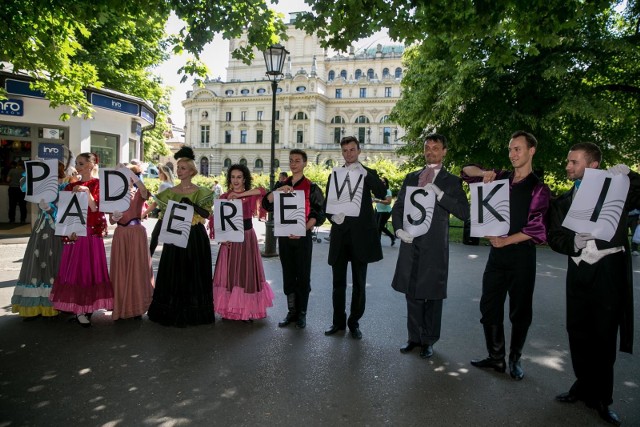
[
  {"x": 423, "y": 262},
  {"x": 599, "y": 288},
  {"x": 354, "y": 239}
]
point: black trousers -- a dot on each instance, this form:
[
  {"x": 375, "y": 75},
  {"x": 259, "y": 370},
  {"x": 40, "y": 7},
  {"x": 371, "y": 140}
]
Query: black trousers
[
  {"x": 424, "y": 320},
  {"x": 510, "y": 271},
  {"x": 358, "y": 294},
  {"x": 382, "y": 218},
  {"x": 295, "y": 258},
  {"x": 594, "y": 300},
  {"x": 16, "y": 199},
  {"x": 153, "y": 244}
]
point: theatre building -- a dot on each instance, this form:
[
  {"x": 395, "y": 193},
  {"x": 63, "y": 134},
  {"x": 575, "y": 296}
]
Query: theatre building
[{"x": 30, "y": 129}]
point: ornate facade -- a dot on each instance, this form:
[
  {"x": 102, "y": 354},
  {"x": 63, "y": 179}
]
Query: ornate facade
[{"x": 320, "y": 99}]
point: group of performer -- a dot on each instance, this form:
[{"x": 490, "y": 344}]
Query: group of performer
[{"x": 73, "y": 277}]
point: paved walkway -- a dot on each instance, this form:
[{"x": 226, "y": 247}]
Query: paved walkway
[{"x": 134, "y": 373}]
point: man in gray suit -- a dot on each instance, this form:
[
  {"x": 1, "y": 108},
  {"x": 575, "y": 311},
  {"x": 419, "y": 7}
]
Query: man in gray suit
[{"x": 423, "y": 262}]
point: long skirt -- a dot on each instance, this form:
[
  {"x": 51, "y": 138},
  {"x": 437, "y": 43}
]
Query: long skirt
[
  {"x": 183, "y": 294},
  {"x": 83, "y": 285},
  {"x": 131, "y": 272},
  {"x": 240, "y": 289},
  {"x": 39, "y": 269}
]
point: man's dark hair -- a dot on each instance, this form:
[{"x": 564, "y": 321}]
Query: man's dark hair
[
  {"x": 300, "y": 152},
  {"x": 349, "y": 139},
  {"x": 284, "y": 174},
  {"x": 592, "y": 152},
  {"x": 531, "y": 140},
  {"x": 436, "y": 137}
]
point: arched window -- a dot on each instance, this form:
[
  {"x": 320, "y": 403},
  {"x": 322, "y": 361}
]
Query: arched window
[
  {"x": 337, "y": 119},
  {"x": 332, "y": 75},
  {"x": 301, "y": 89},
  {"x": 362, "y": 119},
  {"x": 343, "y": 74},
  {"x": 329, "y": 163},
  {"x": 358, "y": 74},
  {"x": 204, "y": 166},
  {"x": 370, "y": 73},
  {"x": 398, "y": 72},
  {"x": 228, "y": 92},
  {"x": 243, "y": 161},
  {"x": 227, "y": 162},
  {"x": 384, "y": 119},
  {"x": 245, "y": 91},
  {"x": 300, "y": 116},
  {"x": 258, "y": 164},
  {"x": 261, "y": 91},
  {"x": 276, "y": 163},
  {"x": 279, "y": 90},
  {"x": 385, "y": 73}
]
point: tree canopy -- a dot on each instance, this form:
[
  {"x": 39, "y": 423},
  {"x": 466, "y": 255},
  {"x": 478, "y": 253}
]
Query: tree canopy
[
  {"x": 567, "y": 71},
  {"x": 67, "y": 46}
]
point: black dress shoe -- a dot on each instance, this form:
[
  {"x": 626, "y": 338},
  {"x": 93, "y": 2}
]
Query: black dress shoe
[
  {"x": 497, "y": 364},
  {"x": 301, "y": 323},
  {"x": 515, "y": 370},
  {"x": 567, "y": 397},
  {"x": 606, "y": 414},
  {"x": 291, "y": 317},
  {"x": 356, "y": 334},
  {"x": 410, "y": 345},
  {"x": 427, "y": 351},
  {"x": 333, "y": 329}
]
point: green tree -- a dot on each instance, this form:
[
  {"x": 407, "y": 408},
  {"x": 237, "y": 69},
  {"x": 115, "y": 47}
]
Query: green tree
[
  {"x": 69, "y": 45},
  {"x": 566, "y": 71}
]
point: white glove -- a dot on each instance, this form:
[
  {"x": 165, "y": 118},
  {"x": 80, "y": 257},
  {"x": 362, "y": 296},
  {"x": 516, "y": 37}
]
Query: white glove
[
  {"x": 435, "y": 189},
  {"x": 619, "y": 170},
  {"x": 338, "y": 218},
  {"x": 580, "y": 240},
  {"x": 404, "y": 236},
  {"x": 43, "y": 205},
  {"x": 116, "y": 216}
]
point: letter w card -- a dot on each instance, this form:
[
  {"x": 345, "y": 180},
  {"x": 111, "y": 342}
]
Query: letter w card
[
  {"x": 176, "y": 224},
  {"x": 418, "y": 211},
  {"x": 490, "y": 208},
  {"x": 597, "y": 206},
  {"x": 289, "y": 217},
  {"x": 114, "y": 189},
  {"x": 345, "y": 192},
  {"x": 227, "y": 220}
]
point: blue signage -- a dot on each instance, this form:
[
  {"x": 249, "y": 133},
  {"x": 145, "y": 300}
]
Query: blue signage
[
  {"x": 12, "y": 107},
  {"x": 147, "y": 115},
  {"x": 114, "y": 104},
  {"x": 48, "y": 150},
  {"x": 19, "y": 87}
]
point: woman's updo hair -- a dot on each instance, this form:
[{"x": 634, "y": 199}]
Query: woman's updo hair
[{"x": 92, "y": 158}]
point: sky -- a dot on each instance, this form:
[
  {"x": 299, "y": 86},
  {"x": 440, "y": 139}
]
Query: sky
[{"x": 215, "y": 55}]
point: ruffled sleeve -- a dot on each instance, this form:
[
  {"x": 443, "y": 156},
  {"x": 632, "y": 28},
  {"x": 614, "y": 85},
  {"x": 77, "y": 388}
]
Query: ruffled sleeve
[{"x": 536, "y": 227}]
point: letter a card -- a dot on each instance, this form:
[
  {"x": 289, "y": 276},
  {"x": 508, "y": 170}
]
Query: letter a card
[{"x": 72, "y": 213}]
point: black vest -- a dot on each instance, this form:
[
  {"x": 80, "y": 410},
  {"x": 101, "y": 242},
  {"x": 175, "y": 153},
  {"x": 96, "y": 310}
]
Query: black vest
[{"x": 520, "y": 200}]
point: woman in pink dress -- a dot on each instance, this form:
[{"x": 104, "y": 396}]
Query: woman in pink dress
[
  {"x": 240, "y": 290},
  {"x": 131, "y": 270},
  {"x": 82, "y": 285}
]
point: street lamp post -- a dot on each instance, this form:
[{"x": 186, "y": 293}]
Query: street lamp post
[{"x": 274, "y": 58}]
